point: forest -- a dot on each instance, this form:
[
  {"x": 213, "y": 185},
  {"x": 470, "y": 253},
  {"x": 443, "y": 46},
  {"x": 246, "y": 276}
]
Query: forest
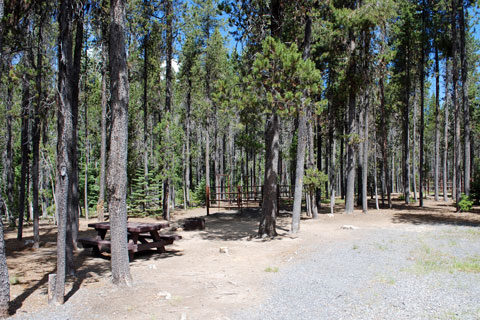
[{"x": 113, "y": 108}]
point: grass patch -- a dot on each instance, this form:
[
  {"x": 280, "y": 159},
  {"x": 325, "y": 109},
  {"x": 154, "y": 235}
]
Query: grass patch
[
  {"x": 473, "y": 233},
  {"x": 381, "y": 246},
  {"x": 355, "y": 247},
  {"x": 386, "y": 280},
  {"x": 271, "y": 269},
  {"x": 430, "y": 260},
  {"x": 14, "y": 280},
  {"x": 470, "y": 264}
]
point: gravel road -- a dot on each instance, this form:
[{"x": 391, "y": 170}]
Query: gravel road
[{"x": 415, "y": 272}]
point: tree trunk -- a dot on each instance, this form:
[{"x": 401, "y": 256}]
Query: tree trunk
[
  {"x": 414, "y": 145},
  {"x": 422, "y": 107},
  {"x": 117, "y": 168},
  {"x": 168, "y": 102},
  {"x": 188, "y": 165},
  {"x": 365, "y": 158},
  {"x": 64, "y": 143},
  {"x": 103, "y": 120},
  {"x": 437, "y": 125},
  {"x": 311, "y": 160},
  {"x": 332, "y": 170},
  {"x": 385, "y": 143},
  {"x": 36, "y": 141},
  {"x": 302, "y": 140},
  {"x": 465, "y": 103},
  {"x": 456, "y": 106},
  {"x": 87, "y": 142},
  {"x": 375, "y": 166},
  {"x": 9, "y": 156},
  {"x": 25, "y": 153},
  {"x": 73, "y": 213},
  {"x": 145, "y": 117},
  {"x": 270, "y": 200},
  {"x": 350, "y": 133},
  {"x": 406, "y": 133},
  {"x": 445, "y": 132},
  {"x": 300, "y": 165},
  {"x": 4, "y": 279}
]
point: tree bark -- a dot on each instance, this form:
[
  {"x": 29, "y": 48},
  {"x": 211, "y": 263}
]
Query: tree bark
[
  {"x": 465, "y": 104},
  {"x": 270, "y": 200},
  {"x": 25, "y": 153},
  {"x": 300, "y": 166},
  {"x": 64, "y": 143},
  {"x": 168, "y": 101},
  {"x": 73, "y": 213},
  {"x": 87, "y": 142},
  {"x": 406, "y": 133},
  {"x": 365, "y": 158},
  {"x": 36, "y": 140},
  {"x": 188, "y": 172},
  {"x": 422, "y": 107},
  {"x": 384, "y": 142},
  {"x": 103, "y": 120},
  {"x": 145, "y": 117},
  {"x": 302, "y": 140},
  {"x": 437, "y": 125},
  {"x": 445, "y": 131},
  {"x": 9, "y": 158},
  {"x": 350, "y": 133},
  {"x": 414, "y": 145},
  {"x": 311, "y": 160},
  {"x": 117, "y": 168},
  {"x": 4, "y": 279},
  {"x": 456, "y": 105}
]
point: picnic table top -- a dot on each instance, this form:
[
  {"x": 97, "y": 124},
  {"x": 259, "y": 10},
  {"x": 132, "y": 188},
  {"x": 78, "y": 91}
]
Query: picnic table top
[{"x": 132, "y": 226}]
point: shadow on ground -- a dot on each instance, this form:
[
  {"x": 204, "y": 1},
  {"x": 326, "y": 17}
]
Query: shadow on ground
[
  {"x": 435, "y": 219},
  {"x": 241, "y": 224}
]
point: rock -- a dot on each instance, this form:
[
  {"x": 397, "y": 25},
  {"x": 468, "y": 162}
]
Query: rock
[
  {"x": 152, "y": 266},
  {"x": 164, "y": 295},
  {"x": 28, "y": 242},
  {"x": 330, "y": 215},
  {"x": 183, "y": 316},
  {"x": 349, "y": 227},
  {"x": 224, "y": 250}
]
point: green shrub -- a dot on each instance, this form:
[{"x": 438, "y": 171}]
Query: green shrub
[
  {"x": 401, "y": 197},
  {"x": 199, "y": 195},
  {"x": 465, "y": 204},
  {"x": 475, "y": 189}
]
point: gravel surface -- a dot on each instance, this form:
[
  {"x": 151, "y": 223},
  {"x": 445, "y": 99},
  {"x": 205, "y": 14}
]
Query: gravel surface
[{"x": 420, "y": 272}]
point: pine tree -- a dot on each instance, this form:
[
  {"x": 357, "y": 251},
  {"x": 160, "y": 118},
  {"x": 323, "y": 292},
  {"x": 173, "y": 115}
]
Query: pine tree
[{"x": 117, "y": 168}]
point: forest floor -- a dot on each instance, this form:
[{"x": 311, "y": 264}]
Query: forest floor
[{"x": 194, "y": 280}]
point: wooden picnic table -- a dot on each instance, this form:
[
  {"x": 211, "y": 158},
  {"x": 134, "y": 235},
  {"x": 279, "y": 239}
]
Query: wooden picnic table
[{"x": 141, "y": 236}]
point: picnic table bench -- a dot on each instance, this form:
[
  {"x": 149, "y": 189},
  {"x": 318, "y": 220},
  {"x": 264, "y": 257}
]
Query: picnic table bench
[{"x": 141, "y": 236}]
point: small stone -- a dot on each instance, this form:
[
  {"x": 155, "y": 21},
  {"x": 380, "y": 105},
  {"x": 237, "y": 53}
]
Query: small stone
[
  {"x": 349, "y": 227},
  {"x": 224, "y": 250},
  {"x": 152, "y": 266},
  {"x": 330, "y": 215},
  {"x": 164, "y": 295}
]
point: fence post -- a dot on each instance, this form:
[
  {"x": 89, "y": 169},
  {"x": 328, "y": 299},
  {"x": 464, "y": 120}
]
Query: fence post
[
  {"x": 207, "y": 193},
  {"x": 239, "y": 198}
]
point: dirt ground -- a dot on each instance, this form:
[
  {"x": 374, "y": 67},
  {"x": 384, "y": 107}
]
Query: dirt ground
[{"x": 194, "y": 280}]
